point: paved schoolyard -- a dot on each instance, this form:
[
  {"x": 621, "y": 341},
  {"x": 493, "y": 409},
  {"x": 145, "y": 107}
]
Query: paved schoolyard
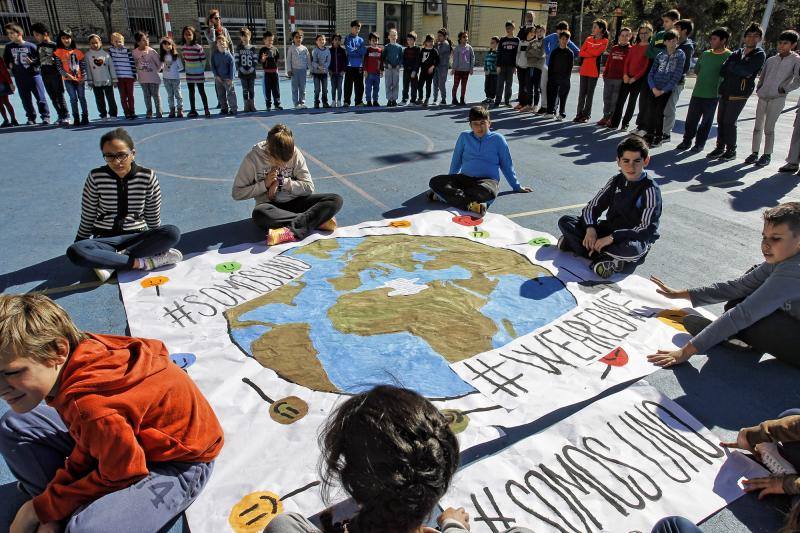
[{"x": 380, "y": 162}]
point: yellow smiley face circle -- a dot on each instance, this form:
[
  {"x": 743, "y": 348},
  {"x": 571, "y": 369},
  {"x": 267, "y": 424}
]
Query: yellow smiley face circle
[{"x": 255, "y": 511}]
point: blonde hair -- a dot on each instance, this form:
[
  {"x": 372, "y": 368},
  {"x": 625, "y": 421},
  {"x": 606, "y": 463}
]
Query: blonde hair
[
  {"x": 118, "y": 34},
  {"x": 280, "y": 142},
  {"x": 31, "y": 325}
]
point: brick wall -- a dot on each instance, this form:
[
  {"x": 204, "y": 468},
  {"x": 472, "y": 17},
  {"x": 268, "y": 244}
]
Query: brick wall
[
  {"x": 345, "y": 13},
  {"x": 80, "y": 16}
]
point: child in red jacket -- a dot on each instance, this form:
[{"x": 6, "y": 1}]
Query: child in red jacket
[
  {"x": 592, "y": 50},
  {"x": 125, "y": 442},
  {"x": 634, "y": 77},
  {"x": 612, "y": 75},
  {"x": 6, "y": 89}
]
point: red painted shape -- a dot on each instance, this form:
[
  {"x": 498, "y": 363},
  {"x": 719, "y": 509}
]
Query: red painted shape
[
  {"x": 617, "y": 357},
  {"x": 466, "y": 220}
]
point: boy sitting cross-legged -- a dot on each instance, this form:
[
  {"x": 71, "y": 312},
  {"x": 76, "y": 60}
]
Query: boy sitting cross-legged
[
  {"x": 474, "y": 177},
  {"x": 274, "y": 173},
  {"x": 125, "y": 441},
  {"x": 632, "y": 202}
]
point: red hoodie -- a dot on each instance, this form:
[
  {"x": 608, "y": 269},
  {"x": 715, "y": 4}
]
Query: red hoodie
[
  {"x": 616, "y": 62},
  {"x": 591, "y": 51},
  {"x": 372, "y": 60},
  {"x": 636, "y": 62},
  {"x": 125, "y": 404}
]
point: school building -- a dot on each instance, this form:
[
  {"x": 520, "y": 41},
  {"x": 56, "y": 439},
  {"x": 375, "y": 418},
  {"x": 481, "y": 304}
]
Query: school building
[{"x": 482, "y": 18}]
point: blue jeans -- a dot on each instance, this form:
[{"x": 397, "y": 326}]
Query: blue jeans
[
  {"x": 372, "y": 87},
  {"x": 675, "y": 524},
  {"x": 35, "y": 445},
  {"x": 337, "y": 83},
  {"x": 120, "y": 251},
  {"x": 298, "y": 87},
  {"x": 701, "y": 111},
  {"x": 77, "y": 92},
  {"x": 33, "y": 86}
]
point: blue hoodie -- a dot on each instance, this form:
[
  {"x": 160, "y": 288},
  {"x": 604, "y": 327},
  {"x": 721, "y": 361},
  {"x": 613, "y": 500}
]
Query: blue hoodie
[
  {"x": 667, "y": 70},
  {"x": 483, "y": 158},
  {"x": 356, "y": 50},
  {"x": 550, "y": 43}
]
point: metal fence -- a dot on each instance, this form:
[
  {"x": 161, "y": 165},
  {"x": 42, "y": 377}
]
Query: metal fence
[{"x": 14, "y": 11}]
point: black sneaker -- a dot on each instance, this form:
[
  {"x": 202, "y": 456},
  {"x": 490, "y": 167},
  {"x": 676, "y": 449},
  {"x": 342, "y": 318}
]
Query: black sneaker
[
  {"x": 605, "y": 268},
  {"x": 750, "y": 159},
  {"x": 729, "y": 155},
  {"x": 666, "y": 139},
  {"x": 278, "y": 107},
  {"x": 656, "y": 141},
  {"x": 697, "y": 148},
  {"x": 684, "y": 145},
  {"x": 716, "y": 152},
  {"x": 764, "y": 160},
  {"x": 542, "y": 111},
  {"x": 789, "y": 168}
]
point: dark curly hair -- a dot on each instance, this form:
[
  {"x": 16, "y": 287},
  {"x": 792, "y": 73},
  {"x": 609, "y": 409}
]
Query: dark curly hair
[{"x": 394, "y": 453}]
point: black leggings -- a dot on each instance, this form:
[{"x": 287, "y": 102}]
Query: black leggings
[
  {"x": 302, "y": 215},
  {"x": 425, "y": 81},
  {"x": 202, "y": 88},
  {"x": 629, "y": 91}
]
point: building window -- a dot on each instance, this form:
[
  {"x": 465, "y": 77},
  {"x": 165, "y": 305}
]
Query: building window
[
  {"x": 367, "y": 14},
  {"x": 15, "y": 11}
]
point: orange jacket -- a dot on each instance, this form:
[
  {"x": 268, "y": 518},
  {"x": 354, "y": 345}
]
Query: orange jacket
[
  {"x": 125, "y": 404},
  {"x": 71, "y": 61},
  {"x": 591, "y": 51}
]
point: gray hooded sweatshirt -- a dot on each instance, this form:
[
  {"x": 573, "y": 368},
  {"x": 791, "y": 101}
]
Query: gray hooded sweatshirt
[
  {"x": 99, "y": 68},
  {"x": 249, "y": 181},
  {"x": 765, "y": 289},
  {"x": 463, "y": 58},
  {"x": 780, "y": 76}
]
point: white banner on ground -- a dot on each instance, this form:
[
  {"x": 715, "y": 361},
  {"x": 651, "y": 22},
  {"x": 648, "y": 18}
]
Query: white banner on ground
[
  {"x": 619, "y": 465},
  {"x": 275, "y": 337}
]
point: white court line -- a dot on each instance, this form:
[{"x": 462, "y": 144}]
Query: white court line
[
  {"x": 336, "y": 175},
  {"x": 328, "y": 122}
]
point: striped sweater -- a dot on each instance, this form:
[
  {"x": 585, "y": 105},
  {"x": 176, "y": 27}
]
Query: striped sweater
[
  {"x": 194, "y": 63},
  {"x": 124, "y": 65},
  {"x": 112, "y": 205},
  {"x": 633, "y": 208}
]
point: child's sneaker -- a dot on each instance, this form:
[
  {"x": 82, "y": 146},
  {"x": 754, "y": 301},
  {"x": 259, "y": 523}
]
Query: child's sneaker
[
  {"x": 557, "y": 117},
  {"x": 729, "y": 155},
  {"x": 329, "y": 225},
  {"x": 432, "y": 196},
  {"x": 33, "y": 122},
  {"x": 279, "y": 236},
  {"x": 179, "y": 114},
  {"x": 148, "y": 116},
  {"x": 605, "y": 268},
  {"x": 789, "y": 168},
  {"x": 14, "y": 122},
  {"x": 171, "y": 114},
  {"x": 5, "y": 124},
  {"x": 750, "y": 159},
  {"x": 278, "y": 107},
  {"x": 478, "y": 208},
  {"x": 640, "y": 133},
  {"x": 207, "y": 113},
  {"x": 764, "y": 160},
  {"x": 716, "y": 152},
  {"x": 170, "y": 257},
  {"x": 103, "y": 274},
  {"x": 771, "y": 458},
  {"x": 684, "y": 145},
  {"x": 534, "y": 109}
]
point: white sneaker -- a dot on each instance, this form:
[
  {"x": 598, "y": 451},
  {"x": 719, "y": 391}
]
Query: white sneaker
[
  {"x": 558, "y": 117},
  {"x": 640, "y": 133},
  {"x": 773, "y": 460},
  {"x": 535, "y": 109},
  {"x": 170, "y": 257},
  {"x": 103, "y": 274}
]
